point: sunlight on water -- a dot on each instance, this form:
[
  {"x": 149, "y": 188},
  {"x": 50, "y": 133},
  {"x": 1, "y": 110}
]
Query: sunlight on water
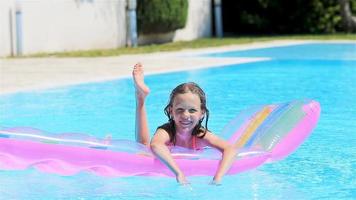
[{"x": 324, "y": 167}]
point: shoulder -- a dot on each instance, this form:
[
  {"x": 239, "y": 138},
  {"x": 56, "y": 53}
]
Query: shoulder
[
  {"x": 206, "y": 135},
  {"x": 215, "y": 141},
  {"x": 162, "y": 133},
  {"x": 202, "y": 140},
  {"x": 166, "y": 127}
]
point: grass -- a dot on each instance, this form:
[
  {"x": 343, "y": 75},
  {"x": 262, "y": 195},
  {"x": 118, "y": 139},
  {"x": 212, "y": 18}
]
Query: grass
[{"x": 200, "y": 43}]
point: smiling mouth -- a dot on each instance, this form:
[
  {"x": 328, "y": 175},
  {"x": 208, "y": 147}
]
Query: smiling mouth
[{"x": 186, "y": 123}]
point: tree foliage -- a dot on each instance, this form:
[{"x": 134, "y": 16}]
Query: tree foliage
[
  {"x": 161, "y": 16},
  {"x": 283, "y": 17}
]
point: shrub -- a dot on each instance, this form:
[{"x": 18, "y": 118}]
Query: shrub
[{"x": 161, "y": 16}]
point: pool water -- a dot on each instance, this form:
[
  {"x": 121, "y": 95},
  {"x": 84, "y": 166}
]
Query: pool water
[{"x": 324, "y": 167}]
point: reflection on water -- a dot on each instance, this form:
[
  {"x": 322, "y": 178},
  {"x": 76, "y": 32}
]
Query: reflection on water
[{"x": 323, "y": 167}]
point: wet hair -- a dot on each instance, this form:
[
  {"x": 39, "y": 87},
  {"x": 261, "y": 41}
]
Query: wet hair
[{"x": 183, "y": 88}]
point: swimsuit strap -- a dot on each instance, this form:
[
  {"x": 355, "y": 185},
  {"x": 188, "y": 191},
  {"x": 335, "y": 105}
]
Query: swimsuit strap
[{"x": 194, "y": 142}]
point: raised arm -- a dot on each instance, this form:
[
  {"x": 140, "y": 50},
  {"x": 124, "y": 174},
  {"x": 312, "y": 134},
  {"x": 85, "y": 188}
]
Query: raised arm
[
  {"x": 160, "y": 149},
  {"x": 228, "y": 155}
]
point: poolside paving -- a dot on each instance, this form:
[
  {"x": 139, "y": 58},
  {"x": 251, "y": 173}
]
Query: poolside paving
[{"x": 25, "y": 74}]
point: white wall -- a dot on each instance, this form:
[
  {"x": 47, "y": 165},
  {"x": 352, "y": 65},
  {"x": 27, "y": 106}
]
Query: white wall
[
  {"x": 67, "y": 25},
  {"x": 199, "y": 21},
  {"x": 6, "y": 7},
  {"x": 60, "y": 25}
]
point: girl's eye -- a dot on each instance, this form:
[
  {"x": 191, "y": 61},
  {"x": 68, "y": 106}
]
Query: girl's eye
[
  {"x": 179, "y": 110},
  {"x": 192, "y": 110}
]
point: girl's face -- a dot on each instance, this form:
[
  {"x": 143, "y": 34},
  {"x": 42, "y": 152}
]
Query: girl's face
[{"x": 186, "y": 112}]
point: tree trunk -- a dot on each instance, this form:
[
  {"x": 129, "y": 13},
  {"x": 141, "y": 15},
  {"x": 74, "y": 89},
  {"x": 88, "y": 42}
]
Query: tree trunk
[{"x": 348, "y": 20}]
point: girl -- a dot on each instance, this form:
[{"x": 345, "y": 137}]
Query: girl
[{"x": 186, "y": 110}]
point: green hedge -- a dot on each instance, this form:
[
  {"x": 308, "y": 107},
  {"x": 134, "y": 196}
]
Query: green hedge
[
  {"x": 161, "y": 16},
  {"x": 283, "y": 16}
]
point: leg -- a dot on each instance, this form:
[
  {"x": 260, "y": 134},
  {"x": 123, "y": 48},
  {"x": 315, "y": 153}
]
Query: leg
[{"x": 141, "y": 129}]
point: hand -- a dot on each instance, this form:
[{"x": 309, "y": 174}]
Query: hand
[
  {"x": 215, "y": 181},
  {"x": 181, "y": 179}
]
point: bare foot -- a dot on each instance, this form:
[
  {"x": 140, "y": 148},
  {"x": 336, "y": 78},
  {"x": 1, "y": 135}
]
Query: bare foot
[{"x": 141, "y": 88}]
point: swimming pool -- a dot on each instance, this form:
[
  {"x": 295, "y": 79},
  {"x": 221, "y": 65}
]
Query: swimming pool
[{"x": 323, "y": 167}]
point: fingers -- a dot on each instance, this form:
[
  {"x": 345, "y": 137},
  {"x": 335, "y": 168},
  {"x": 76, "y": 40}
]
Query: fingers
[
  {"x": 182, "y": 180},
  {"x": 213, "y": 182}
]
